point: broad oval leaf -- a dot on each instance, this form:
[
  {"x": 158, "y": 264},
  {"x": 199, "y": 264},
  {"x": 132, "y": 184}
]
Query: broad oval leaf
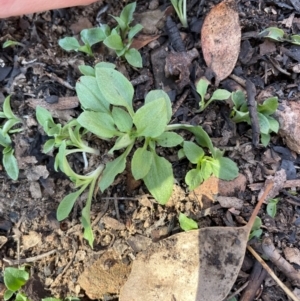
[
  {"x": 69, "y": 44},
  {"x": 114, "y": 42},
  {"x": 141, "y": 163},
  {"x": 92, "y": 36},
  {"x": 193, "y": 178},
  {"x": 193, "y": 152},
  {"x": 115, "y": 87},
  {"x": 264, "y": 125},
  {"x": 220, "y": 94},
  {"x": 122, "y": 119},
  {"x": 160, "y": 179},
  {"x": 151, "y": 119},
  {"x": 10, "y": 164},
  {"x": 15, "y": 278},
  {"x": 127, "y": 13},
  {"x": 273, "y": 123},
  {"x": 90, "y": 96},
  {"x": 224, "y": 168},
  {"x": 87, "y": 70},
  {"x": 269, "y": 106},
  {"x": 221, "y": 38},
  {"x": 155, "y": 94},
  {"x": 238, "y": 98},
  {"x": 169, "y": 139},
  {"x": 134, "y": 58},
  {"x": 134, "y": 30},
  {"x": 100, "y": 124}
]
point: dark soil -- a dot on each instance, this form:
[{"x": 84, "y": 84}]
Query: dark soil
[{"x": 42, "y": 70}]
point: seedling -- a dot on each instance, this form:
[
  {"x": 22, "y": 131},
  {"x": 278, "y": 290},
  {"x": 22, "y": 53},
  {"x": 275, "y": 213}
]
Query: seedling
[
  {"x": 180, "y": 8},
  {"x": 267, "y": 123},
  {"x": 11, "y": 43},
  {"x": 219, "y": 94},
  {"x": 277, "y": 34},
  {"x": 272, "y": 207},
  {"x": 256, "y": 230},
  {"x": 119, "y": 38},
  {"x": 187, "y": 223},
  {"x": 106, "y": 98},
  {"x": 9, "y": 161}
]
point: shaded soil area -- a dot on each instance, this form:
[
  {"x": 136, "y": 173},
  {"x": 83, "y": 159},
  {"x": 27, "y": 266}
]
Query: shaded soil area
[{"x": 125, "y": 218}]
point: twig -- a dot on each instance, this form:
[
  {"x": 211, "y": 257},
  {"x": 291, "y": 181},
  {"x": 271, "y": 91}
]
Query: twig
[
  {"x": 180, "y": 101},
  {"x": 271, "y": 273},
  {"x": 287, "y": 184},
  {"x": 239, "y": 80},
  {"x": 100, "y": 214},
  {"x": 29, "y": 259},
  {"x": 237, "y": 291},
  {"x": 117, "y": 207},
  {"x": 251, "y": 103},
  {"x": 59, "y": 80}
]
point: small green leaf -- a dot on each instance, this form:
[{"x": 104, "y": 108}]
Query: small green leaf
[
  {"x": 69, "y": 44},
  {"x": 193, "y": 152},
  {"x": 151, "y": 119},
  {"x": 112, "y": 169},
  {"x": 21, "y": 297},
  {"x": 121, "y": 24},
  {"x": 272, "y": 33},
  {"x": 206, "y": 169},
  {"x": 155, "y": 94},
  {"x": 8, "y": 294},
  {"x": 67, "y": 204},
  {"x": 7, "y": 109},
  {"x": 115, "y": 87},
  {"x": 141, "y": 163},
  {"x": 87, "y": 70},
  {"x": 186, "y": 223},
  {"x": 224, "y": 168},
  {"x": 100, "y": 124},
  {"x": 86, "y": 48},
  {"x": 90, "y": 96},
  {"x": 238, "y": 98},
  {"x": 201, "y": 89},
  {"x": 44, "y": 118},
  {"x": 105, "y": 65},
  {"x": 14, "y": 278},
  {"x": 272, "y": 207},
  {"x": 4, "y": 139},
  {"x": 193, "y": 178},
  {"x": 10, "y": 163},
  {"x": 160, "y": 179},
  {"x": 127, "y": 13},
  {"x": 48, "y": 146},
  {"x": 134, "y": 58},
  {"x": 265, "y": 139},
  {"x": 10, "y": 43},
  {"x": 122, "y": 119},
  {"x": 295, "y": 39},
  {"x": 169, "y": 139},
  {"x": 114, "y": 41},
  {"x": 241, "y": 117},
  {"x": 51, "y": 299},
  {"x": 86, "y": 222},
  {"x": 134, "y": 30},
  {"x": 264, "y": 125},
  {"x": 269, "y": 106},
  {"x": 256, "y": 231},
  {"x": 122, "y": 142},
  {"x": 220, "y": 94},
  {"x": 273, "y": 123},
  {"x": 92, "y": 36}
]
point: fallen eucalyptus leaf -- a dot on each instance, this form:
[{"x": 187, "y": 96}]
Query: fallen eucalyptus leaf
[{"x": 196, "y": 265}]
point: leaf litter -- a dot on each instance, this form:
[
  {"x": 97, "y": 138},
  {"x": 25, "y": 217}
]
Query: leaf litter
[{"x": 196, "y": 265}]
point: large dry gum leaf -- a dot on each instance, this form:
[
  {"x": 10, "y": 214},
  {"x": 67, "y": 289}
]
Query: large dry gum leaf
[
  {"x": 221, "y": 39},
  {"x": 190, "y": 266}
]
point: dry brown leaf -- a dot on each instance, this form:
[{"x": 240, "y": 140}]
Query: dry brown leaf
[
  {"x": 221, "y": 38},
  {"x": 195, "y": 265},
  {"x": 142, "y": 40}
]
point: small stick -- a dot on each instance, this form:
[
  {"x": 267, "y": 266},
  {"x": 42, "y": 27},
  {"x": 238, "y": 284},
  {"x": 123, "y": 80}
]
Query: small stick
[
  {"x": 180, "y": 101},
  {"x": 271, "y": 273},
  {"x": 237, "y": 291},
  {"x": 29, "y": 259},
  {"x": 287, "y": 184}
]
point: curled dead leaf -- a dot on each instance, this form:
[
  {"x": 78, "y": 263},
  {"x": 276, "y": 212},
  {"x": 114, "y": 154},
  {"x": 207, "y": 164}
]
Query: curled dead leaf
[{"x": 221, "y": 38}]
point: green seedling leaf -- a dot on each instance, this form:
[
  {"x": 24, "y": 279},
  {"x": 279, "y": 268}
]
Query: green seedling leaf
[
  {"x": 272, "y": 33},
  {"x": 181, "y": 154},
  {"x": 9, "y": 124},
  {"x": 255, "y": 230},
  {"x": 155, "y": 94},
  {"x": 4, "y": 139},
  {"x": 193, "y": 152},
  {"x": 169, "y": 139},
  {"x": 122, "y": 119},
  {"x": 186, "y": 223},
  {"x": 206, "y": 169},
  {"x": 122, "y": 142},
  {"x": 21, "y": 297},
  {"x": 269, "y": 106},
  {"x": 67, "y": 204},
  {"x": 14, "y": 278},
  {"x": 273, "y": 123},
  {"x": 141, "y": 163},
  {"x": 86, "y": 48},
  {"x": 8, "y": 294},
  {"x": 295, "y": 39},
  {"x": 121, "y": 24},
  {"x": 193, "y": 178},
  {"x": 48, "y": 146},
  {"x": 10, "y": 43},
  {"x": 241, "y": 117},
  {"x": 86, "y": 222},
  {"x": 134, "y": 58},
  {"x": 87, "y": 70},
  {"x": 92, "y": 36},
  {"x": 201, "y": 89},
  {"x": 10, "y": 163},
  {"x": 134, "y": 30},
  {"x": 264, "y": 125},
  {"x": 127, "y": 13},
  {"x": 160, "y": 179},
  {"x": 224, "y": 168},
  {"x": 151, "y": 119},
  {"x": 112, "y": 169},
  {"x": 220, "y": 94},
  {"x": 100, "y": 124},
  {"x": 90, "y": 96},
  {"x": 238, "y": 98},
  {"x": 114, "y": 41},
  {"x": 44, "y": 118},
  {"x": 69, "y": 44},
  {"x": 115, "y": 87},
  {"x": 105, "y": 65},
  {"x": 265, "y": 139},
  {"x": 7, "y": 109},
  {"x": 272, "y": 207}
]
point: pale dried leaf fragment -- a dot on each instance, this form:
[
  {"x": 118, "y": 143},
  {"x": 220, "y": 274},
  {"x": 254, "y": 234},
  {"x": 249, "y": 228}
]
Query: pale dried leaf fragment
[{"x": 221, "y": 39}]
